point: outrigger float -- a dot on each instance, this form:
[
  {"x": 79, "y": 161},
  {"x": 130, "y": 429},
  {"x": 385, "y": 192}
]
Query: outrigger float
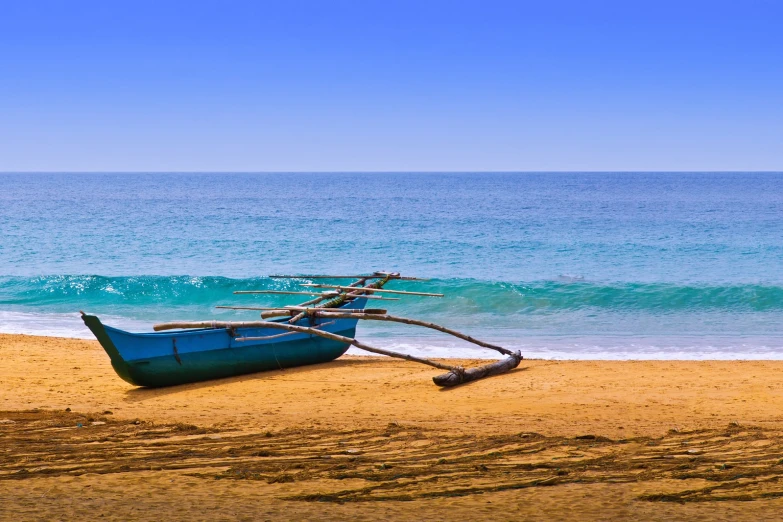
[{"x": 316, "y": 331}]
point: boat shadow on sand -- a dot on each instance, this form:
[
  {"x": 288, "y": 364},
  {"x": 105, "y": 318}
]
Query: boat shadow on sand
[{"x": 142, "y": 393}]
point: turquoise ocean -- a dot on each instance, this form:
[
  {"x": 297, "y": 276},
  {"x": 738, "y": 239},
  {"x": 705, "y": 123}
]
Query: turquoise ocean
[{"x": 558, "y": 265}]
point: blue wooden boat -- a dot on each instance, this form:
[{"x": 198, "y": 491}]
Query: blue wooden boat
[
  {"x": 169, "y": 358},
  {"x": 202, "y": 350}
]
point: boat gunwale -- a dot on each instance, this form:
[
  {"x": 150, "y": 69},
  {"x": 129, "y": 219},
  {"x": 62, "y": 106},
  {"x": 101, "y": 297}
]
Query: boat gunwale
[{"x": 201, "y": 331}]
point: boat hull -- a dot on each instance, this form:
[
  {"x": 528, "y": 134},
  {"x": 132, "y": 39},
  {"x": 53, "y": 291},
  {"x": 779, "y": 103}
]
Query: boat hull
[{"x": 171, "y": 358}]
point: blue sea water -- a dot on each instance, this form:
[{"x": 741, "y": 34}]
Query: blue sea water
[{"x": 562, "y": 265}]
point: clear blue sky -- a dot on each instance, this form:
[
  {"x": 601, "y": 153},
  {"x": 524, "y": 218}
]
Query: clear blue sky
[{"x": 391, "y": 85}]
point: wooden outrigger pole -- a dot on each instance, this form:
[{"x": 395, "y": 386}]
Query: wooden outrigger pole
[
  {"x": 376, "y": 275},
  {"x": 456, "y": 374},
  {"x": 315, "y": 285},
  {"x": 341, "y": 294},
  {"x": 320, "y": 294}
]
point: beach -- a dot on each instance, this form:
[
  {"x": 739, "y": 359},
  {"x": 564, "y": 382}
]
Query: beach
[
  {"x": 372, "y": 438},
  {"x": 399, "y": 192}
]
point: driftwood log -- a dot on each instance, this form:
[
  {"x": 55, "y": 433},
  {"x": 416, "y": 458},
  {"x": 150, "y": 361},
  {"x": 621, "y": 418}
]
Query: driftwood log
[{"x": 460, "y": 376}]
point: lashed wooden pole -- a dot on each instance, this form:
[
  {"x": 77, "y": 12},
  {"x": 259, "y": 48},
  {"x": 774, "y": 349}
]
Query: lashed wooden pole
[
  {"x": 313, "y": 301},
  {"x": 370, "y": 289},
  {"x": 339, "y": 299},
  {"x": 456, "y": 374},
  {"x": 300, "y": 309},
  {"x": 321, "y": 295},
  {"x": 191, "y": 325},
  {"x": 391, "y": 318},
  {"x": 350, "y": 294},
  {"x": 318, "y": 300},
  {"x": 376, "y": 275},
  {"x": 285, "y": 292}
]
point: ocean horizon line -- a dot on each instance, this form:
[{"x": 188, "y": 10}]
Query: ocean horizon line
[{"x": 392, "y": 172}]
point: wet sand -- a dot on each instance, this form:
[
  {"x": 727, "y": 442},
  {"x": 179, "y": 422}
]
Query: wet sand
[{"x": 371, "y": 438}]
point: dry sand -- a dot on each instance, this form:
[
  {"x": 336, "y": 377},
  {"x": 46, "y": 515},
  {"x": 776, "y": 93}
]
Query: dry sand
[{"x": 371, "y": 438}]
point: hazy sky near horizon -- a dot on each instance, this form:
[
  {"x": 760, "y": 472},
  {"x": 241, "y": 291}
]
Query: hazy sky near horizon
[{"x": 391, "y": 85}]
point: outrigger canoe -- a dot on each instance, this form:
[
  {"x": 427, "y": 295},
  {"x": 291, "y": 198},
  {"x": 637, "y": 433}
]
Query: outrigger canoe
[
  {"x": 317, "y": 331},
  {"x": 167, "y": 358}
]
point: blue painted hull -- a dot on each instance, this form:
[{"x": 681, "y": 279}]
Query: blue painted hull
[{"x": 169, "y": 358}]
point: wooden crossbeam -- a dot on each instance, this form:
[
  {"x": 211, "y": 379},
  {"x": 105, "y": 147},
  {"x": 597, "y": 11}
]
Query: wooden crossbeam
[
  {"x": 347, "y": 312},
  {"x": 366, "y": 289},
  {"x": 376, "y": 275},
  {"x": 322, "y": 294},
  {"x": 286, "y": 292}
]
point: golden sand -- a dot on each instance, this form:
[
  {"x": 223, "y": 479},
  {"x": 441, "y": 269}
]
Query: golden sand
[{"x": 369, "y": 438}]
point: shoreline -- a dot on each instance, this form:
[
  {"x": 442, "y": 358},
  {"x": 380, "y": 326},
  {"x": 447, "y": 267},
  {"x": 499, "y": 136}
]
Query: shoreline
[{"x": 556, "y": 347}]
